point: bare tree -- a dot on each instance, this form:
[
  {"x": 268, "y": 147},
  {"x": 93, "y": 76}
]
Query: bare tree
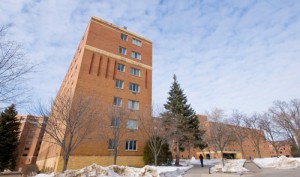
[
  {"x": 219, "y": 133},
  {"x": 13, "y": 69},
  {"x": 272, "y": 132},
  {"x": 116, "y": 123},
  {"x": 238, "y": 129},
  {"x": 70, "y": 122},
  {"x": 287, "y": 117},
  {"x": 255, "y": 134},
  {"x": 155, "y": 132}
]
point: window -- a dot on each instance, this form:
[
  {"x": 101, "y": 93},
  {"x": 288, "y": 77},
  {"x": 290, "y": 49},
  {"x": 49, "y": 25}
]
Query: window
[
  {"x": 122, "y": 50},
  {"x": 136, "y": 42},
  {"x": 120, "y": 67},
  {"x": 112, "y": 144},
  {"x": 135, "y": 55},
  {"x": 135, "y": 71},
  {"x": 117, "y": 101},
  {"x": 134, "y": 87},
  {"x": 119, "y": 84},
  {"x": 133, "y": 104},
  {"x": 131, "y": 124},
  {"x": 115, "y": 122},
  {"x": 24, "y": 155},
  {"x": 130, "y": 145},
  {"x": 26, "y": 148},
  {"x": 123, "y": 37}
]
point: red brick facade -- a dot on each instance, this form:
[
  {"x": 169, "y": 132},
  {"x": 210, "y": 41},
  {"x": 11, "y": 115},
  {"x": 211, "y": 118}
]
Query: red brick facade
[{"x": 96, "y": 67}]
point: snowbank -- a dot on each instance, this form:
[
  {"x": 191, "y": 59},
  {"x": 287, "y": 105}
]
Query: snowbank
[
  {"x": 281, "y": 163},
  {"x": 231, "y": 166},
  {"x": 123, "y": 171}
]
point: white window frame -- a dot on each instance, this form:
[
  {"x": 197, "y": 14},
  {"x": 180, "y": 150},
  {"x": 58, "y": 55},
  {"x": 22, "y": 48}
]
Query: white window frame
[
  {"x": 135, "y": 71},
  {"x": 136, "y": 42},
  {"x": 136, "y": 55},
  {"x": 124, "y": 37},
  {"x": 133, "y": 105},
  {"x": 131, "y": 145},
  {"x": 117, "y": 101},
  {"x": 119, "y": 84},
  {"x": 132, "y": 124},
  {"x": 120, "y": 67},
  {"x": 122, "y": 50},
  {"x": 134, "y": 87}
]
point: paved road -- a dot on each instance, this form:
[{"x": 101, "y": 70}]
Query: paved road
[{"x": 198, "y": 171}]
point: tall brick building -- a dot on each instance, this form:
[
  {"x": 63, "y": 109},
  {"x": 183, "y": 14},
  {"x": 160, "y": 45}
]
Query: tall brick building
[{"x": 114, "y": 66}]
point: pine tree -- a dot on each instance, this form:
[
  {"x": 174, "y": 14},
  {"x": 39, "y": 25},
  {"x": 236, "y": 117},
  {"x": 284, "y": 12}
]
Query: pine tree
[
  {"x": 9, "y": 132},
  {"x": 180, "y": 120}
]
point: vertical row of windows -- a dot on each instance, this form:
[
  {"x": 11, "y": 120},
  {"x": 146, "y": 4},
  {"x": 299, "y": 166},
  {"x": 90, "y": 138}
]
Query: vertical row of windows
[{"x": 136, "y": 42}]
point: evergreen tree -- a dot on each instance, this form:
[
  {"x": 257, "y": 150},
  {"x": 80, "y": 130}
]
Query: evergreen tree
[
  {"x": 9, "y": 132},
  {"x": 164, "y": 157},
  {"x": 180, "y": 120}
]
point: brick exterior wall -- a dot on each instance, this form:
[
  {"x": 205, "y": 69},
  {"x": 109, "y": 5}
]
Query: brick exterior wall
[
  {"x": 93, "y": 72},
  {"x": 30, "y": 140},
  {"x": 249, "y": 150}
]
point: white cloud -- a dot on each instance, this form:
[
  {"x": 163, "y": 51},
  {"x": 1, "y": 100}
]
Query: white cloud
[{"x": 240, "y": 54}]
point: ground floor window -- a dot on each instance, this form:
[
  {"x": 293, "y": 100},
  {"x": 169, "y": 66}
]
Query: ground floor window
[{"x": 130, "y": 145}]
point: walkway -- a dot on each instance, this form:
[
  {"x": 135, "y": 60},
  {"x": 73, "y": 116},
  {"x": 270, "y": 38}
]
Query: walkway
[
  {"x": 251, "y": 166},
  {"x": 198, "y": 171}
]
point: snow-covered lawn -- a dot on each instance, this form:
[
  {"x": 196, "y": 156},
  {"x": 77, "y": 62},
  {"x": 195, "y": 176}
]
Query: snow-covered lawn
[
  {"x": 281, "y": 163},
  {"x": 124, "y": 171}
]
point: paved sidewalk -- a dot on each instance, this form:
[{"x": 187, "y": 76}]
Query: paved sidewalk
[{"x": 198, "y": 171}]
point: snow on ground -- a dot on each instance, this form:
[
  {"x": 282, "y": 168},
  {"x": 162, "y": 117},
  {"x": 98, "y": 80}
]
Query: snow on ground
[
  {"x": 231, "y": 166},
  {"x": 124, "y": 171},
  {"x": 45, "y": 175},
  {"x": 205, "y": 161},
  {"x": 281, "y": 163}
]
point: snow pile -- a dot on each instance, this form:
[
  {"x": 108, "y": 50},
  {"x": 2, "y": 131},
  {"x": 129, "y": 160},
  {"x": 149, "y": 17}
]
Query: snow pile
[
  {"x": 171, "y": 171},
  {"x": 231, "y": 166},
  {"x": 123, "y": 171},
  {"x": 113, "y": 171},
  {"x": 281, "y": 163}
]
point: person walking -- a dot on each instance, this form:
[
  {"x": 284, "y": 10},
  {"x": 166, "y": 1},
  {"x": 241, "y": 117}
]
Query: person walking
[{"x": 201, "y": 159}]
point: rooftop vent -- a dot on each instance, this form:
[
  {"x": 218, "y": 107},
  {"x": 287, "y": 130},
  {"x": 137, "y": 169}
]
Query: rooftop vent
[{"x": 125, "y": 27}]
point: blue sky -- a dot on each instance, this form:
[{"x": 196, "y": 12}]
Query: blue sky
[{"x": 227, "y": 54}]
